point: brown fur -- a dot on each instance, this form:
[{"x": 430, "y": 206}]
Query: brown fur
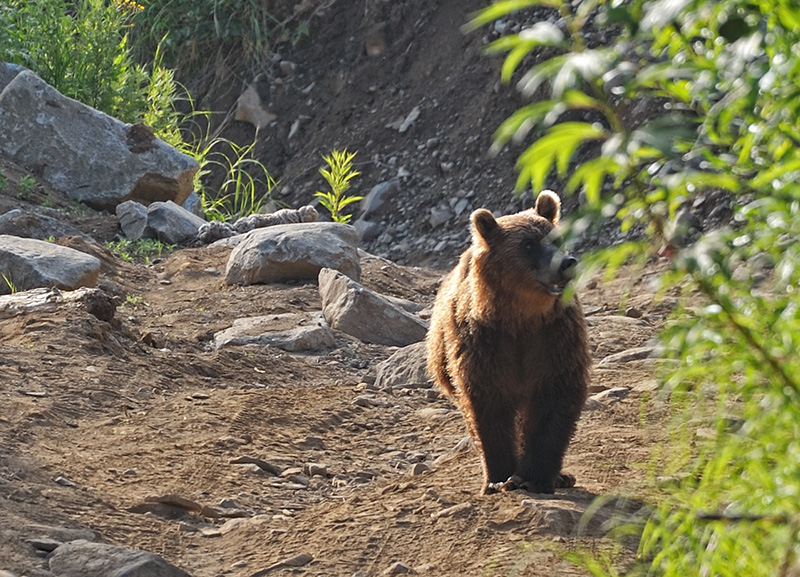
[{"x": 510, "y": 351}]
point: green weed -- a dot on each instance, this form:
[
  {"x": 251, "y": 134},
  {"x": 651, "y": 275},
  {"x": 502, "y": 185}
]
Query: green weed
[
  {"x": 143, "y": 250},
  {"x": 338, "y": 176},
  {"x": 241, "y": 193},
  {"x": 3, "y": 182},
  {"x": 9, "y": 283},
  {"x": 26, "y": 187}
]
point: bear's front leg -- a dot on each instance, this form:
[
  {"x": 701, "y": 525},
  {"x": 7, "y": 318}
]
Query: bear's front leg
[
  {"x": 547, "y": 427},
  {"x": 492, "y": 427}
]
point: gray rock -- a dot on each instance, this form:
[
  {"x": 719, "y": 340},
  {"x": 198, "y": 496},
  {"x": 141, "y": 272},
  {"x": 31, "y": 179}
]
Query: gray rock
[
  {"x": 611, "y": 395},
  {"x": 376, "y": 203},
  {"x": 294, "y": 252},
  {"x": 440, "y": 215},
  {"x": 367, "y": 230},
  {"x": 635, "y": 354},
  {"x": 405, "y": 367},
  {"x": 8, "y": 72},
  {"x": 84, "y": 559},
  {"x": 368, "y": 316},
  {"x": 281, "y": 331},
  {"x": 29, "y": 263},
  {"x": 61, "y": 534},
  {"x": 171, "y": 222},
  {"x": 39, "y": 226},
  {"x": 84, "y": 153},
  {"x": 194, "y": 204},
  {"x": 132, "y": 218}
]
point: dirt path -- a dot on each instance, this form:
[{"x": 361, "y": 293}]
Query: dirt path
[{"x": 99, "y": 418}]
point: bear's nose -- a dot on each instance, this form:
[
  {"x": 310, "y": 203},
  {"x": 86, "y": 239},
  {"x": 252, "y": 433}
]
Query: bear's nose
[{"x": 568, "y": 265}]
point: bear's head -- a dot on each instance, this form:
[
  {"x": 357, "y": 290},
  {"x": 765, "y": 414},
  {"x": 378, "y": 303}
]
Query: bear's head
[{"x": 517, "y": 252}]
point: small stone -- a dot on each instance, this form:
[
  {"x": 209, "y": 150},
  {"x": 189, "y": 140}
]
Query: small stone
[
  {"x": 611, "y": 395},
  {"x": 397, "y": 568},
  {"x": 633, "y": 312},
  {"x": 460, "y": 510},
  {"x": 314, "y": 469},
  {"x": 43, "y": 544},
  {"x": 64, "y": 482},
  {"x": 419, "y": 469}
]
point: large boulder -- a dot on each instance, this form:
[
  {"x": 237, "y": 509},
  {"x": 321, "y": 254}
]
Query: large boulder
[
  {"x": 28, "y": 263},
  {"x": 294, "y": 252},
  {"x": 366, "y": 315},
  {"x": 84, "y": 153},
  {"x": 85, "y": 559},
  {"x": 31, "y": 225}
]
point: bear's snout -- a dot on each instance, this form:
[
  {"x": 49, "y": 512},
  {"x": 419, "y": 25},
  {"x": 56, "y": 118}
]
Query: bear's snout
[{"x": 568, "y": 265}]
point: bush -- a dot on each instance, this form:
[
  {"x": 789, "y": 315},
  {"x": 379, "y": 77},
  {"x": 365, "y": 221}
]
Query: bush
[{"x": 720, "y": 83}]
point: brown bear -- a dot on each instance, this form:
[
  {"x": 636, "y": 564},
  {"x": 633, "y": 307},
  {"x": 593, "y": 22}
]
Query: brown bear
[{"x": 510, "y": 350}]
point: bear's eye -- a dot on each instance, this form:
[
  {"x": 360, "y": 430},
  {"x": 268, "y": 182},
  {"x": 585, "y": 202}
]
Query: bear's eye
[{"x": 529, "y": 245}]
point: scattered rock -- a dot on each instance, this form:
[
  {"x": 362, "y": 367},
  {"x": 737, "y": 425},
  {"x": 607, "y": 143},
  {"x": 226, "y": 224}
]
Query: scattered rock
[
  {"x": 38, "y": 226},
  {"x": 132, "y": 218},
  {"x": 368, "y": 316},
  {"x": 250, "y": 108},
  {"x": 294, "y": 252},
  {"x": 85, "y": 559},
  {"x": 419, "y": 469},
  {"x": 30, "y": 263},
  {"x": 376, "y": 203},
  {"x": 84, "y": 153},
  {"x": 611, "y": 395},
  {"x": 270, "y": 468},
  {"x": 407, "y": 366},
  {"x": 297, "y": 561},
  {"x": 280, "y": 331},
  {"x": 397, "y": 568},
  {"x": 44, "y": 544},
  {"x": 633, "y": 313},
  {"x": 635, "y": 354},
  {"x": 460, "y": 510},
  {"x": 171, "y": 223}
]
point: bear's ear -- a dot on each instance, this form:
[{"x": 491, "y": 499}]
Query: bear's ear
[
  {"x": 548, "y": 205},
  {"x": 484, "y": 223}
]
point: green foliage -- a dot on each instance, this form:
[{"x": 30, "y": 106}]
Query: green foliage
[
  {"x": 142, "y": 250},
  {"x": 338, "y": 176},
  {"x": 715, "y": 84},
  {"x": 25, "y": 187},
  {"x": 199, "y": 29},
  {"x": 82, "y": 49},
  {"x": 3, "y": 182},
  {"x": 241, "y": 193}
]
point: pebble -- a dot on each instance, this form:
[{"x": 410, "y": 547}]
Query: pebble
[
  {"x": 460, "y": 510},
  {"x": 419, "y": 469},
  {"x": 611, "y": 395},
  {"x": 397, "y": 568},
  {"x": 63, "y": 481},
  {"x": 314, "y": 469},
  {"x": 43, "y": 544}
]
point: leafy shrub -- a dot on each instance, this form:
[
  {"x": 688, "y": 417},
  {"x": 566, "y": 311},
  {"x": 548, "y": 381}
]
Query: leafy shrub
[
  {"x": 718, "y": 81},
  {"x": 198, "y": 29}
]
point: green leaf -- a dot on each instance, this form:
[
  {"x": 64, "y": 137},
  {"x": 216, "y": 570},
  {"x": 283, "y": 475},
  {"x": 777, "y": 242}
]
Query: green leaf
[
  {"x": 591, "y": 175},
  {"x": 555, "y": 147},
  {"x": 504, "y": 8}
]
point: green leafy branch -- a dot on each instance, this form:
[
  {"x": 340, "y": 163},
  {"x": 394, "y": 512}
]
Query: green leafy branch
[{"x": 338, "y": 176}]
